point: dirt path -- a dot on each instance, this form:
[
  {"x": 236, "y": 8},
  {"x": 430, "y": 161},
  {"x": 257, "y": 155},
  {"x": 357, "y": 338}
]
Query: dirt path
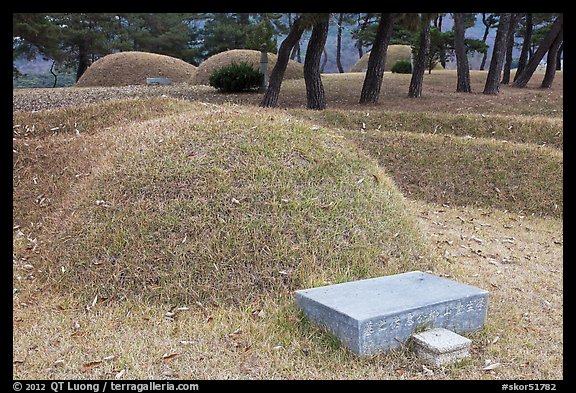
[{"x": 519, "y": 260}]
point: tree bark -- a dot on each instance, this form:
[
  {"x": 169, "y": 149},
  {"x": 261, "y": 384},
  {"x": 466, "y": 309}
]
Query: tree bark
[
  {"x": 360, "y": 42},
  {"x": 324, "y": 59},
  {"x": 339, "y": 44},
  {"x": 375, "y": 71},
  {"x": 315, "y": 97},
  {"x": 415, "y": 89},
  {"x": 54, "y": 74},
  {"x": 82, "y": 62},
  {"x": 484, "y": 38},
  {"x": 509, "y": 48},
  {"x": 559, "y": 57},
  {"x": 525, "y": 46},
  {"x": 493, "y": 79},
  {"x": 270, "y": 98},
  {"x": 545, "y": 45},
  {"x": 551, "y": 61},
  {"x": 462, "y": 68}
]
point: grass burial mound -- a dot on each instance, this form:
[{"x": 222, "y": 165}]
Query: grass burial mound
[
  {"x": 225, "y": 205},
  {"x": 394, "y": 53},
  {"x": 294, "y": 70},
  {"x": 132, "y": 68}
]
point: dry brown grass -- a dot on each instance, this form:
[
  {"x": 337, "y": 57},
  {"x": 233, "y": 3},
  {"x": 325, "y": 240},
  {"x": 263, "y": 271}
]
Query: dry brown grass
[
  {"x": 138, "y": 171},
  {"x": 132, "y": 68},
  {"x": 212, "y": 200},
  {"x": 294, "y": 70},
  {"x": 471, "y": 171},
  {"x": 270, "y": 339}
]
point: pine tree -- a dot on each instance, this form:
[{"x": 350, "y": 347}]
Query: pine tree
[
  {"x": 375, "y": 71},
  {"x": 417, "y": 79},
  {"x": 493, "y": 79},
  {"x": 315, "y": 97},
  {"x": 545, "y": 45},
  {"x": 272, "y": 93},
  {"x": 463, "y": 70}
]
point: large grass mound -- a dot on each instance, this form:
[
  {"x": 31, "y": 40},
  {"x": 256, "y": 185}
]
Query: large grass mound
[
  {"x": 294, "y": 70},
  {"x": 226, "y": 205},
  {"x": 132, "y": 68}
]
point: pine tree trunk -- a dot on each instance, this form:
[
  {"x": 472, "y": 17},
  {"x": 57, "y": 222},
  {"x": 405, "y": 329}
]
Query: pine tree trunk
[
  {"x": 545, "y": 45},
  {"x": 376, "y": 61},
  {"x": 270, "y": 98},
  {"x": 552, "y": 60},
  {"x": 559, "y": 58},
  {"x": 509, "y": 48},
  {"x": 462, "y": 68},
  {"x": 339, "y": 44},
  {"x": 315, "y": 97},
  {"x": 525, "y": 46},
  {"x": 415, "y": 89},
  {"x": 82, "y": 62},
  {"x": 324, "y": 59},
  {"x": 484, "y": 38},
  {"x": 497, "y": 62}
]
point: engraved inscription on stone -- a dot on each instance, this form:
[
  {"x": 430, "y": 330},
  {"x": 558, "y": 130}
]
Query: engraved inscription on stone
[{"x": 379, "y": 314}]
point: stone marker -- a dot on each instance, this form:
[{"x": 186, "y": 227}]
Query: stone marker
[
  {"x": 263, "y": 68},
  {"x": 158, "y": 81},
  {"x": 378, "y": 314},
  {"x": 439, "y": 347}
]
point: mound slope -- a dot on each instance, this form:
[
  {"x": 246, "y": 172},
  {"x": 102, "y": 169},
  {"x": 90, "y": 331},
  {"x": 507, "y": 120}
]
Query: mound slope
[
  {"x": 294, "y": 70},
  {"x": 227, "y": 206},
  {"x": 394, "y": 53},
  {"x": 132, "y": 68}
]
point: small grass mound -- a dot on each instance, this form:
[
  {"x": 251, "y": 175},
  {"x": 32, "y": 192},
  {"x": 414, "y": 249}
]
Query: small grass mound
[
  {"x": 294, "y": 70},
  {"x": 132, "y": 68},
  {"x": 55, "y": 149},
  {"x": 224, "y": 205}
]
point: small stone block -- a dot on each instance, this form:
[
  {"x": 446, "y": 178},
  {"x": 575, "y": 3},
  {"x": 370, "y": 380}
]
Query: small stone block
[
  {"x": 158, "y": 81},
  {"x": 440, "y": 346},
  {"x": 378, "y": 314}
]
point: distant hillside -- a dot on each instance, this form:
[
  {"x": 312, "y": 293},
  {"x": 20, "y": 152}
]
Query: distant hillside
[{"x": 39, "y": 65}]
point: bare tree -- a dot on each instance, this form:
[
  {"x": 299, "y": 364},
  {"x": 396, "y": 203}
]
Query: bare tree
[
  {"x": 493, "y": 79},
  {"x": 462, "y": 68},
  {"x": 375, "y": 71},
  {"x": 315, "y": 97}
]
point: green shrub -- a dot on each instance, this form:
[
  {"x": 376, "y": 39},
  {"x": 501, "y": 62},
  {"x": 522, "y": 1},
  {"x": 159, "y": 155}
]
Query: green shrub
[
  {"x": 235, "y": 78},
  {"x": 402, "y": 67}
]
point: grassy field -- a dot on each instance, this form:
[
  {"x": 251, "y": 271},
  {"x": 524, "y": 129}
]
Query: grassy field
[{"x": 160, "y": 233}]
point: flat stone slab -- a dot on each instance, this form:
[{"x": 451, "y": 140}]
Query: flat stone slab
[
  {"x": 439, "y": 346},
  {"x": 158, "y": 81},
  {"x": 379, "y": 314}
]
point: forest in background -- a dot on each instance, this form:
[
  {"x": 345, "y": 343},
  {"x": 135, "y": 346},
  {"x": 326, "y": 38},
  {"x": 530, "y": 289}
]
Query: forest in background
[{"x": 69, "y": 43}]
